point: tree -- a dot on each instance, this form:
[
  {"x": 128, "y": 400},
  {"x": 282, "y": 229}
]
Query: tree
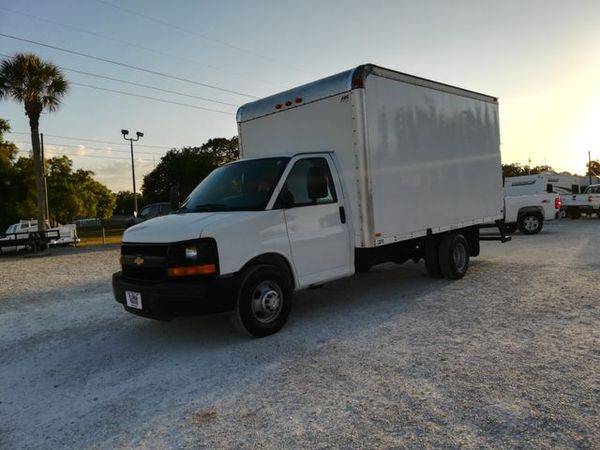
[
  {"x": 124, "y": 203},
  {"x": 39, "y": 85},
  {"x": 74, "y": 194},
  {"x": 593, "y": 168},
  {"x": 186, "y": 167},
  {"x": 513, "y": 170}
]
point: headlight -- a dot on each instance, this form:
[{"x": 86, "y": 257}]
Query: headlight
[
  {"x": 198, "y": 257},
  {"x": 191, "y": 253}
]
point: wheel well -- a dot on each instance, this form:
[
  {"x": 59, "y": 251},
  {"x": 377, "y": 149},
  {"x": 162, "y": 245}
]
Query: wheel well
[
  {"x": 531, "y": 209},
  {"x": 273, "y": 259}
]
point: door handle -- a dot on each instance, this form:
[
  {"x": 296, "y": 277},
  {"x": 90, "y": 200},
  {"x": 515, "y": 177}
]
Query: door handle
[{"x": 342, "y": 214}]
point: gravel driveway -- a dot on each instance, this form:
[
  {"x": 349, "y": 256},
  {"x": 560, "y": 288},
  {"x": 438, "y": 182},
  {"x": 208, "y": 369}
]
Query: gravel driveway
[{"x": 509, "y": 356}]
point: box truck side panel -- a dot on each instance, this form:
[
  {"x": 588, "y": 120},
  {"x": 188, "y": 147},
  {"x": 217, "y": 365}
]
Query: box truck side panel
[
  {"x": 324, "y": 125},
  {"x": 434, "y": 159}
]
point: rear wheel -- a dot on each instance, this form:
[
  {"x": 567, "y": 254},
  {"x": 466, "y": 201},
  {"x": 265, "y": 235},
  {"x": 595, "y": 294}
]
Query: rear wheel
[
  {"x": 432, "y": 258},
  {"x": 264, "y": 300},
  {"x": 454, "y": 256},
  {"x": 531, "y": 223}
]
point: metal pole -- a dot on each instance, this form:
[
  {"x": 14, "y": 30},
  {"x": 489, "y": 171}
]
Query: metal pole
[
  {"x": 135, "y": 205},
  {"x": 590, "y": 166},
  {"x": 45, "y": 177}
]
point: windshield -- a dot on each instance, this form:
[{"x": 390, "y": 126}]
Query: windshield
[{"x": 240, "y": 186}]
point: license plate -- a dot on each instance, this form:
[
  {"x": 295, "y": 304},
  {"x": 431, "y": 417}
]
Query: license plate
[{"x": 133, "y": 299}]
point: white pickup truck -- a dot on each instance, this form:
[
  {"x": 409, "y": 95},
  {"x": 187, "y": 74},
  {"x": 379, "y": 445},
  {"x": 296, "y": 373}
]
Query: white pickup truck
[
  {"x": 528, "y": 212},
  {"x": 588, "y": 202},
  {"x": 364, "y": 167}
]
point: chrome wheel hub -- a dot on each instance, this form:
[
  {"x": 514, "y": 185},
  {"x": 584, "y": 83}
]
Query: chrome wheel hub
[
  {"x": 267, "y": 300},
  {"x": 531, "y": 223}
]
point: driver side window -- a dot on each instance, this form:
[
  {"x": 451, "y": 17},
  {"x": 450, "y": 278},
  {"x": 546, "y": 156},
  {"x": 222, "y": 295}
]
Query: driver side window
[{"x": 308, "y": 183}]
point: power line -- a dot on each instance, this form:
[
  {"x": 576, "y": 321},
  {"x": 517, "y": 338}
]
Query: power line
[
  {"x": 118, "y": 150},
  {"x": 63, "y": 153},
  {"x": 129, "y": 66},
  {"x": 151, "y": 98},
  {"x": 91, "y": 140},
  {"x": 168, "y": 91},
  {"x": 138, "y": 46},
  {"x": 195, "y": 33},
  {"x": 147, "y": 86}
]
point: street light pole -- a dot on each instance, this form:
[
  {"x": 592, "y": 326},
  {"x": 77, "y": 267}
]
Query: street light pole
[{"x": 131, "y": 141}]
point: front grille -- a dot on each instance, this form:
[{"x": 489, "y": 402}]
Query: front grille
[
  {"x": 144, "y": 249},
  {"x": 144, "y": 273}
]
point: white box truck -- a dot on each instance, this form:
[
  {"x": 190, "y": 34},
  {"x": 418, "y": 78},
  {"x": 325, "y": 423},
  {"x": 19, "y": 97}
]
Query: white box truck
[{"x": 363, "y": 167}]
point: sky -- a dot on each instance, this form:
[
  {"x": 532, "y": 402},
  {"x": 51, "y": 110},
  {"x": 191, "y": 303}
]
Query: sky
[{"x": 541, "y": 58}]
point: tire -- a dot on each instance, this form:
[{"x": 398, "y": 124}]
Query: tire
[
  {"x": 454, "y": 256},
  {"x": 511, "y": 227},
  {"x": 432, "y": 258},
  {"x": 263, "y": 301},
  {"x": 531, "y": 223}
]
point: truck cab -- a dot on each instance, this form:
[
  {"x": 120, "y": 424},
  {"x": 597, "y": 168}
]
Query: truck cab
[{"x": 282, "y": 217}]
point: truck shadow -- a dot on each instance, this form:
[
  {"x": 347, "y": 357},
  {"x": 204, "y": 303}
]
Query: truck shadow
[{"x": 339, "y": 309}]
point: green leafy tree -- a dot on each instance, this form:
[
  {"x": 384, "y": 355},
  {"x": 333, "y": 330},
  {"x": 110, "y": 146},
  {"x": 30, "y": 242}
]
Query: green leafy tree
[
  {"x": 74, "y": 194},
  {"x": 124, "y": 203},
  {"x": 40, "y": 86},
  {"x": 593, "y": 168},
  {"x": 513, "y": 170},
  {"x": 186, "y": 167}
]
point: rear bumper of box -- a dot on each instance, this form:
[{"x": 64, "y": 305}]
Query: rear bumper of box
[{"x": 168, "y": 299}]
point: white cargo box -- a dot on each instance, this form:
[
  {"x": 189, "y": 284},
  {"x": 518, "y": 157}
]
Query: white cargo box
[{"x": 416, "y": 156}]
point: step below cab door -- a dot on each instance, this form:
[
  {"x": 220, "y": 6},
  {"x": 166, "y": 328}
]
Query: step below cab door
[{"x": 317, "y": 224}]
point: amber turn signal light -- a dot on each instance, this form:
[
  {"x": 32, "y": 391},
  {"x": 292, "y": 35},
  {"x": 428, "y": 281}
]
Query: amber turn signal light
[{"x": 186, "y": 271}]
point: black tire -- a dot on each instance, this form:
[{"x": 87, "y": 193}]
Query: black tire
[
  {"x": 454, "y": 256},
  {"x": 432, "y": 258},
  {"x": 260, "y": 288},
  {"x": 531, "y": 223},
  {"x": 511, "y": 227}
]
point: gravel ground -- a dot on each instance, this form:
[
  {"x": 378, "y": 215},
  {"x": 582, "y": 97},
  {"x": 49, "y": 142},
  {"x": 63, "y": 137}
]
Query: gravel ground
[{"x": 507, "y": 357}]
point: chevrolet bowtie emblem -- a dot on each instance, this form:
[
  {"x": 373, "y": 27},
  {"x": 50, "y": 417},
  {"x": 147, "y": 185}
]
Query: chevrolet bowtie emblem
[{"x": 138, "y": 261}]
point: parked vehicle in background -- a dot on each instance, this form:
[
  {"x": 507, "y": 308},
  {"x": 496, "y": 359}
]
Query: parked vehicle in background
[
  {"x": 18, "y": 235},
  {"x": 586, "y": 203},
  {"x": 363, "y": 167},
  {"x": 527, "y": 213},
  {"x": 149, "y": 212},
  {"x": 547, "y": 182}
]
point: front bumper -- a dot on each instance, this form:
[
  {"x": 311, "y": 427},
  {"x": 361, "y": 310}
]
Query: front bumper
[{"x": 168, "y": 299}]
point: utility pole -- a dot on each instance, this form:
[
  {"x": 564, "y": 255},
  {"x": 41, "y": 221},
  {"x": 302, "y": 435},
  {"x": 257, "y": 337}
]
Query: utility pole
[
  {"x": 131, "y": 141},
  {"x": 590, "y": 166},
  {"x": 44, "y": 172}
]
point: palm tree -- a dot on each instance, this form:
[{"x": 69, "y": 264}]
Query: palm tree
[{"x": 39, "y": 85}]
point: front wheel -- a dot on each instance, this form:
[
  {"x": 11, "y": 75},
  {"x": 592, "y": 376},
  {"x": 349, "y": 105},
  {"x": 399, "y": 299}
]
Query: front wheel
[
  {"x": 531, "y": 223},
  {"x": 264, "y": 300}
]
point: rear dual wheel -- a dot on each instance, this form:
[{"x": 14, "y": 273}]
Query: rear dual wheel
[{"x": 447, "y": 257}]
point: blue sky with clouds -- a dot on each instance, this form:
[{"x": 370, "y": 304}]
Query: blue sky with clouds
[{"x": 540, "y": 58}]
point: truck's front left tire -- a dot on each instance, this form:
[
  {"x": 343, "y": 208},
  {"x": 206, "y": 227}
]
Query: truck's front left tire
[
  {"x": 454, "y": 256},
  {"x": 263, "y": 301}
]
